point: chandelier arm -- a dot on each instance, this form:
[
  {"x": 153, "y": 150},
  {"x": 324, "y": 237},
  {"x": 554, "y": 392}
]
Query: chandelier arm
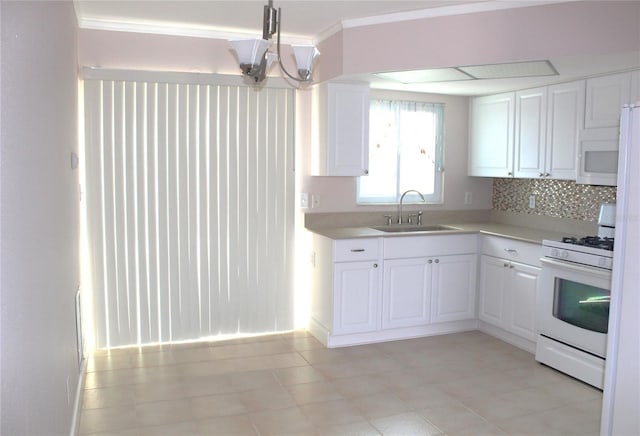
[{"x": 284, "y": 70}]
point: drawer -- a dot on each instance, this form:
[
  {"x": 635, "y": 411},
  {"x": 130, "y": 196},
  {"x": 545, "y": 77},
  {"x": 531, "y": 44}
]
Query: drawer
[
  {"x": 512, "y": 249},
  {"x": 347, "y": 250},
  {"x": 425, "y": 246}
]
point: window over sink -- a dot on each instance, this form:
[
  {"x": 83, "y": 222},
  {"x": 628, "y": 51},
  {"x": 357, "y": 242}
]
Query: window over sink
[{"x": 405, "y": 152}]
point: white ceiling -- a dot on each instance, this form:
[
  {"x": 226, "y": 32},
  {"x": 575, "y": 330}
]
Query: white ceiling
[{"x": 305, "y": 21}]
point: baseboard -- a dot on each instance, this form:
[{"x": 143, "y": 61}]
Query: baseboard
[
  {"x": 77, "y": 404},
  {"x": 329, "y": 340}
]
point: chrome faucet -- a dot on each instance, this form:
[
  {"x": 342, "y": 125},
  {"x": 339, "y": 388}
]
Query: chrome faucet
[{"x": 402, "y": 199}]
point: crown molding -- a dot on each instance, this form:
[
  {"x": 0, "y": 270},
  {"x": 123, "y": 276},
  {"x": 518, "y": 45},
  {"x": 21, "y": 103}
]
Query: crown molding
[
  {"x": 444, "y": 11},
  {"x": 174, "y": 29}
]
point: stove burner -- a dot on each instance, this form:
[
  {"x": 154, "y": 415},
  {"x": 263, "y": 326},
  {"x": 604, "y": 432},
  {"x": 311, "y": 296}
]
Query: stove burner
[{"x": 591, "y": 241}]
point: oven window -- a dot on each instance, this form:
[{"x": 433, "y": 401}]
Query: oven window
[{"x": 581, "y": 305}]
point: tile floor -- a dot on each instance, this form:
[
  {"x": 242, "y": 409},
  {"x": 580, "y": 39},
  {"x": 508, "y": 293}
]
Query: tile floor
[{"x": 289, "y": 384}]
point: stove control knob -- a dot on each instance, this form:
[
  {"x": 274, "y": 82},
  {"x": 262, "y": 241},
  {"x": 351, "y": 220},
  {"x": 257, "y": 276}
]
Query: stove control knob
[
  {"x": 565, "y": 254},
  {"x": 602, "y": 261},
  {"x": 554, "y": 252}
]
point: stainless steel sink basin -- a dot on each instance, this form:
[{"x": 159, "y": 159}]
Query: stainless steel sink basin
[{"x": 401, "y": 228}]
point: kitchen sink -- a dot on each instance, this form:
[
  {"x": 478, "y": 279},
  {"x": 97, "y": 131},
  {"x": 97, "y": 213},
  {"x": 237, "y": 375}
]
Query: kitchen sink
[{"x": 401, "y": 228}]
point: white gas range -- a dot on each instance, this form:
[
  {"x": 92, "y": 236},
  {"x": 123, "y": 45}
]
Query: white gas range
[{"x": 574, "y": 294}]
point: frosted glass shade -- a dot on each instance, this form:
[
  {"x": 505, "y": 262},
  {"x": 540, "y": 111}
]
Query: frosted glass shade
[
  {"x": 305, "y": 55},
  {"x": 250, "y": 51}
]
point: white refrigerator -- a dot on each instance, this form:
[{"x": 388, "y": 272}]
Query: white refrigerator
[{"x": 621, "y": 396}]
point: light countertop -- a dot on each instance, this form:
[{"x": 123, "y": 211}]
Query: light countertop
[{"x": 525, "y": 234}]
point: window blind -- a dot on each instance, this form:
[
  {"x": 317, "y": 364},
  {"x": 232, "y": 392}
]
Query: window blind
[{"x": 189, "y": 209}]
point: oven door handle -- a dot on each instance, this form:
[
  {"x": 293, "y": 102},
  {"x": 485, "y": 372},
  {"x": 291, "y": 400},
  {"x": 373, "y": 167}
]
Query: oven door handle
[{"x": 604, "y": 273}]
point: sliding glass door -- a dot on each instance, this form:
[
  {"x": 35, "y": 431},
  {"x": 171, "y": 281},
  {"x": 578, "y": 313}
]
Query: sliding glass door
[{"x": 189, "y": 207}]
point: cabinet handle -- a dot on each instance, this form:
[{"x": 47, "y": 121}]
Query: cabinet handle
[
  {"x": 511, "y": 266},
  {"x": 541, "y": 175},
  {"x": 505, "y": 265},
  {"x": 510, "y": 250},
  {"x": 429, "y": 261},
  {"x": 510, "y": 173},
  {"x": 375, "y": 265},
  {"x": 366, "y": 172},
  {"x": 357, "y": 250},
  {"x": 437, "y": 260},
  {"x": 547, "y": 174}
]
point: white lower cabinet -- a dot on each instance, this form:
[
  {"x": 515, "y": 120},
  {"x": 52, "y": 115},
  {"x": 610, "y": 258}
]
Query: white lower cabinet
[
  {"x": 454, "y": 288},
  {"x": 406, "y": 293},
  {"x": 428, "y": 290},
  {"x": 378, "y": 289},
  {"x": 507, "y": 295},
  {"x": 356, "y": 289}
]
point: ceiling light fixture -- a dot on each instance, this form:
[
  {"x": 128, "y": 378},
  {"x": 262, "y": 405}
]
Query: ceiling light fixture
[{"x": 254, "y": 58}]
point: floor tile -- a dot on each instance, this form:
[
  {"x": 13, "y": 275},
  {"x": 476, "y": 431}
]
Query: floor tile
[
  {"x": 452, "y": 417},
  {"x": 217, "y": 405},
  {"x": 314, "y": 392},
  {"x": 405, "y": 424},
  {"x": 459, "y": 384},
  {"x": 237, "y": 425},
  {"x": 283, "y": 421},
  {"x": 339, "y": 412},
  {"x": 108, "y": 419},
  {"x": 380, "y": 405},
  {"x": 163, "y": 412}
]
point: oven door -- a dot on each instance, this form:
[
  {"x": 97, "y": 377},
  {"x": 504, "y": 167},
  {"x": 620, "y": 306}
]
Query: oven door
[{"x": 573, "y": 304}]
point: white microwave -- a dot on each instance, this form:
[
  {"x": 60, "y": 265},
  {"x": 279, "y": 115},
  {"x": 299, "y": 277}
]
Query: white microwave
[{"x": 598, "y": 156}]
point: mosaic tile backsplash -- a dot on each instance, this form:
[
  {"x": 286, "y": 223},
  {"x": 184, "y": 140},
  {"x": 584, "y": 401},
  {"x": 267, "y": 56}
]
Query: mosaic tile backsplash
[{"x": 553, "y": 198}]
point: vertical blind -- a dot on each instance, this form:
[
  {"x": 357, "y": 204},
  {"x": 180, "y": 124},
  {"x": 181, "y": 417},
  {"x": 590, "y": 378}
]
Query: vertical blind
[{"x": 189, "y": 191}]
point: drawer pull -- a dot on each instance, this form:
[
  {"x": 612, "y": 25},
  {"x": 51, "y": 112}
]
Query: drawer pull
[
  {"x": 357, "y": 250},
  {"x": 510, "y": 250}
]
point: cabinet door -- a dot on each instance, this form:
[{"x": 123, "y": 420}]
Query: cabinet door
[
  {"x": 605, "y": 96},
  {"x": 493, "y": 281},
  {"x": 406, "y": 293},
  {"x": 530, "y": 133},
  {"x": 523, "y": 281},
  {"x": 356, "y": 290},
  {"x": 454, "y": 288},
  {"x": 491, "y": 136},
  {"x": 347, "y": 129},
  {"x": 565, "y": 118}
]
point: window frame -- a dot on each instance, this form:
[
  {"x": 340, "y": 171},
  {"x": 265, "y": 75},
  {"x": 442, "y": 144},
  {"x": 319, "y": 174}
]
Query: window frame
[{"x": 437, "y": 197}]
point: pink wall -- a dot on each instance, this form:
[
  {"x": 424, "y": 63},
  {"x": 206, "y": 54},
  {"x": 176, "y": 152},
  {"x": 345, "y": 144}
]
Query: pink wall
[
  {"x": 126, "y": 50},
  {"x": 40, "y": 207},
  {"x": 539, "y": 32}
]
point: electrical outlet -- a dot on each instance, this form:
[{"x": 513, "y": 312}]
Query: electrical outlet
[
  {"x": 315, "y": 201},
  {"x": 468, "y": 197},
  {"x": 304, "y": 200},
  {"x": 532, "y": 202}
]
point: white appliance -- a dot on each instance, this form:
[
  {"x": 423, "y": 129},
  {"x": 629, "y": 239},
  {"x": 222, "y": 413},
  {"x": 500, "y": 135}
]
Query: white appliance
[
  {"x": 622, "y": 377},
  {"x": 573, "y": 306}
]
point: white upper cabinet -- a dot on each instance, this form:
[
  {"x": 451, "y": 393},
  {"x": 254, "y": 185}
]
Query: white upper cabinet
[
  {"x": 530, "y": 133},
  {"x": 341, "y": 129},
  {"x": 547, "y": 126},
  {"x": 605, "y": 97},
  {"x": 565, "y": 118},
  {"x": 598, "y": 149},
  {"x": 491, "y": 136}
]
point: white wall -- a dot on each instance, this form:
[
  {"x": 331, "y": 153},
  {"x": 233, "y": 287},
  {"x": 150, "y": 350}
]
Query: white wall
[
  {"x": 39, "y": 217},
  {"x": 338, "y": 194}
]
